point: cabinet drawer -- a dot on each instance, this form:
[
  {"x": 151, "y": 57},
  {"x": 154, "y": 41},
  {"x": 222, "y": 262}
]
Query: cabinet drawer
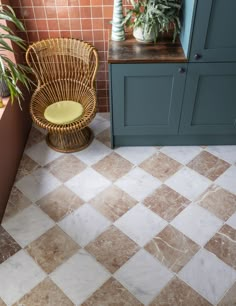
[{"x": 146, "y": 98}]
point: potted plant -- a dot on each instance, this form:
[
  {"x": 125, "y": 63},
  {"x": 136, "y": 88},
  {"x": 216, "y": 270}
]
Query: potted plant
[
  {"x": 11, "y": 73},
  {"x": 151, "y": 17}
]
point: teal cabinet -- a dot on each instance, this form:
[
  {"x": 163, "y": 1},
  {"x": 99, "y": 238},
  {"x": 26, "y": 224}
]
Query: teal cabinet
[
  {"x": 184, "y": 94},
  {"x": 214, "y": 31},
  {"x": 146, "y": 98},
  {"x": 209, "y": 106}
]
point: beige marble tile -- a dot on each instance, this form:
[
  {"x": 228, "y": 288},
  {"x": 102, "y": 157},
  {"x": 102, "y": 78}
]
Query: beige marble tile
[
  {"x": 105, "y": 137},
  {"x": 66, "y": 167},
  {"x": 16, "y": 203},
  {"x": 161, "y": 166},
  {"x": 35, "y": 137},
  {"x": 45, "y": 294},
  {"x": 59, "y": 203},
  {"x": 52, "y": 249},
  {"x": 8, "y": 246},
  {"x": 208, "y": 165},
  {"x": 166, "y": 202},
  {"x": 113, "y": 166},
  {"x": 112, "y": 249},
  {"x": 230, "y": 298},
  {"x": 219, "y": 201},
  {"x": 177, "y": 293},
  {"x": 172, "y": 248},
  {"x": 27, "y": 165},
  {"x": 2, "y": 303},
  {"x": 223, "y": 245},
  {"x": 113, "y": 202},
  {"x": 112, "y": 293}
]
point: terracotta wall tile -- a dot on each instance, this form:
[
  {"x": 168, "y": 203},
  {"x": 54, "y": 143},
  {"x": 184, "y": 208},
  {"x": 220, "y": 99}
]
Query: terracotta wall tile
[
  {"x": 49, "y": 2},
  {"x": 74, "y": 11},
  {"x": 85, "y": 12},
  {"x": 62, "y": 12},
  {"x": 28, "y": 13},
  {"x": 53, "y": 25},
  {"x": 40, "y": 12},
  {"x": 107, "y": 12},
  {"x": 97, "y": 12},
  {"x": 97, "y": 24},
  {"x": 84, "y": 2},
  {"x": 75, "y": 24},
  {"x": 50, "y": 11}
]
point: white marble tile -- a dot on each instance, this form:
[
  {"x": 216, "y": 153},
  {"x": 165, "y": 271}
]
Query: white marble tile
[
  {"x": 88, "y": 184},
  {"x": 95, "y": 152},
  {"x": 228, "y": 179},
  {"x": 183, "y": 154},
  {"x": 43, "y": 131},
  {"x": 232, "y": 221},
  {"x": 136, "y": 155},
  {"x": 104, "y": 115},
  {"x": 188, "y": 183},
  {"x": 18, "y": 275},
  {"x": 144, "y": 276},
  {"x": 37, "y": 184},
  {"x": 227, "y": 153},
  {"x": 42, "y": 153},
  {"x": 80, "y": 276},
  {"x": 138, "y": 183},
  {"x": 140, "y": 224},
  {"x": 84, "y": 225},
  {"x": 197, "y": 223},
  {"x": 208, "y": 275},
  {"x": 28, "y": 225},
  {"x": 99, "y": 124}
]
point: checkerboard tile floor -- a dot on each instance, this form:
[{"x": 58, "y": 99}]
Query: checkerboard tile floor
[{"x": 131, "y": 226}]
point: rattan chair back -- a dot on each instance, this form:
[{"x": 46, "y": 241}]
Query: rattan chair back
[{"x": 63, "y": 58}]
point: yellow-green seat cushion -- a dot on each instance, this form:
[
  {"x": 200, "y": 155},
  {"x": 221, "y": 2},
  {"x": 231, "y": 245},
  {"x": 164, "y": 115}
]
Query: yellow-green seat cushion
[{"x": 63, "y": 112}]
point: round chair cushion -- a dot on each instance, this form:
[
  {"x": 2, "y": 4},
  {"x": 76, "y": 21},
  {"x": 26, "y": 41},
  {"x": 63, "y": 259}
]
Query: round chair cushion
[{"x": 63, "y": 112}]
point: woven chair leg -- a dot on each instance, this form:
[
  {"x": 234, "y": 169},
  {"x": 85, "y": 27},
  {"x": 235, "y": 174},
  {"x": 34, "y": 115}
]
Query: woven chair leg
[{"x": 73, "y": 142}]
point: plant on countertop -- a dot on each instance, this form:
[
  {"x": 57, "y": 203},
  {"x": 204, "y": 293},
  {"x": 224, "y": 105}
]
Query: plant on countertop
[
  {"x": 154, "y": 17},
  {"x": 11, "y": 73}
]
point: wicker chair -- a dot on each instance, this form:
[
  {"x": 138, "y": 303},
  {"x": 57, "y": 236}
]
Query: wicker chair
[{"x": 65, "y": 70}]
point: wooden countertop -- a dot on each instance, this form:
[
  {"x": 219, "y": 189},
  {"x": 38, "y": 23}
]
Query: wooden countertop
[{"x": 131, "y": 51}]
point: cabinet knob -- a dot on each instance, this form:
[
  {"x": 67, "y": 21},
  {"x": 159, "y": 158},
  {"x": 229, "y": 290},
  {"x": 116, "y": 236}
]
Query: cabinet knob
[
  {"x": 182, "y": 70},
  {"x": 197, "y": 56}
]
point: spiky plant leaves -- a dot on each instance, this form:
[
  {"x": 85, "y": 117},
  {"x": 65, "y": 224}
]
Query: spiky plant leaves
[
  {"x": 11, "y": 72},
  {"x": 154, "y": 15}
]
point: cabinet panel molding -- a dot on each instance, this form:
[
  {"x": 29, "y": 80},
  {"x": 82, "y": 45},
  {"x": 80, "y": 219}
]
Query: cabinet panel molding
[
  {"x": 209, "y": 105},
  {"x": 214, "y": 32}
]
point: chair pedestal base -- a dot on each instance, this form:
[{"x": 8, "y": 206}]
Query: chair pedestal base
[{"x": 68, "y": 143}]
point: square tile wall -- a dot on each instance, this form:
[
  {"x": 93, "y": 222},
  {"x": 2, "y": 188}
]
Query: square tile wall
[{"x": 88, "y": 20}]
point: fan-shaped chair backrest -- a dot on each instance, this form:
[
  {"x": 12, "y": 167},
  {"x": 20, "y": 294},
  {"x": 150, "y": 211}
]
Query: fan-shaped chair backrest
[{"x": 63, "y": 58}]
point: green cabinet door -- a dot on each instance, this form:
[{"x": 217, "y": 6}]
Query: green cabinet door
[
  {"x": 209, "y": 106},
  {"x": 214, "y": 32},
  {"x": 146, "y": 98}
]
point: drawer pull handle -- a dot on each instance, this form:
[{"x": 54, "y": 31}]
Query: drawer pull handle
[
  {"x": 197, "y": 56},
  {"x": 182, "y": 70}
]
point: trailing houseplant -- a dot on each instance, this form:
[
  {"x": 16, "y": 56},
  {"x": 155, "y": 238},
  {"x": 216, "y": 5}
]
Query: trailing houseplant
[
  {"x": 151, "y": 17},
  {"x": 12, "y": 75}
]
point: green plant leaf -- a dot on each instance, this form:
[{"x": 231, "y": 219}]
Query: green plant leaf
[{"x": 12, "y": 73}]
